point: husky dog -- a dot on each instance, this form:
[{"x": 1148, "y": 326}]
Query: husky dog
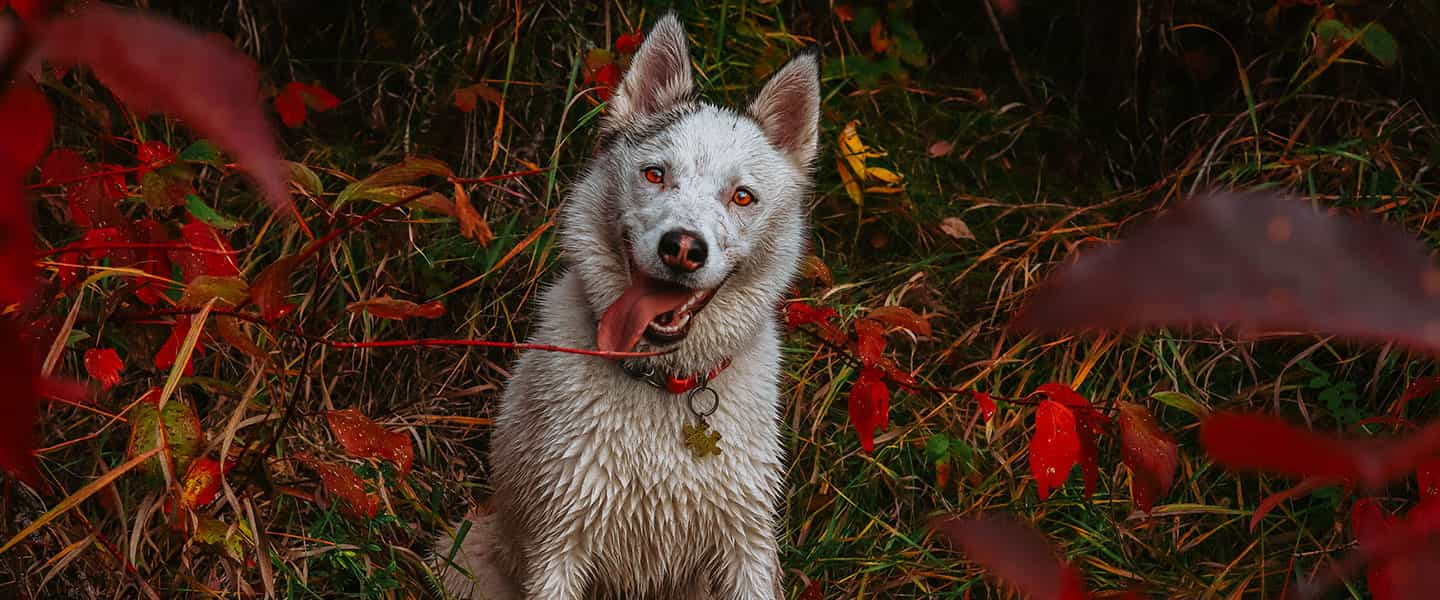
[{"x": 656, "y": 477}]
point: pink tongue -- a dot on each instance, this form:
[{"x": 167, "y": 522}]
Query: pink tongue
[{"x": 625, "y": 321}]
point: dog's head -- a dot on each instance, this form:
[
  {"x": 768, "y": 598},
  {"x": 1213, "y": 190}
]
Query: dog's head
[{"x": 689, "y": 224}]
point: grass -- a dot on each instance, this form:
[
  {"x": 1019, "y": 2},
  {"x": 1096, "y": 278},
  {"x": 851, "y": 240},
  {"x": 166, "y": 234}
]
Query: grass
[{"x": 1032, "y": 187}]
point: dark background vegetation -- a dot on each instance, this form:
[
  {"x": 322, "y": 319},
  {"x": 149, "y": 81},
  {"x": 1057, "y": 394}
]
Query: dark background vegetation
[{"x": 1097, "y": 114}]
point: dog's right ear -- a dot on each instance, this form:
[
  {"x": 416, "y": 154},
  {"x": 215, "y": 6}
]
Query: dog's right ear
[{"x": 658, "y": 78}]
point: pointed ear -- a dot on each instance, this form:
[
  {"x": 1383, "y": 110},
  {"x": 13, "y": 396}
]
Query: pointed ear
[
  {"x": 659, "y": 75},
  {"x": 788, "y": 108}
]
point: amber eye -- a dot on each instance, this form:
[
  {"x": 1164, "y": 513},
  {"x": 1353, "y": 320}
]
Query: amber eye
[
  {"x": 742, "y": 197},
  {"x": 655, "y": 175}
]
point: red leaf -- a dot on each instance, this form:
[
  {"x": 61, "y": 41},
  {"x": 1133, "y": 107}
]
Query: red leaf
[
  {"x": 1149, "y": 453},
  {"x": 202, "y": 236},
  {"x": 155, "y": 262},
  {"x": 629, "y": 43},
  {"x": 1055, "y": 447},
  {"x": 317, "y": 98},
  {"x": 92, "y": 200},
  {"x": 290, "y": 106},
  {"x": 1420, "y": 388},
  {"x": 1404, "y": 561},
  {"x": 987, "y": 404},
  {"x": 165, "y": 357},
  {"x": 1270, "y": 502},
  {"x": 340, "y": 482},
  {"x": 1257, "y": 261},
  {"x": 1089, "y": 458},
  {"x": 1062, "y": 393},
  {"x": 904, "y": 318},
  {"x": 272, "y": 286},
  {"x": 158, "y": 65},
  {"x": 27, "y": 10},
  {"x": 363, "y": 438},
  {"x": 62, "y": 164},
  {"x": 869, "y": 341},
  {"x": 386, "y": 307},
  {"x": 1015, "y": 553},
  {"x": 606, "y": 78},
  {"x": 869, "y": 406},
  {"x": 19, "y": 369},
  {"x": 100, "y": 242},
  {"x": 799, "y": 313},
  {"x": 104, "y": 365},
  {"x": 201, "y": 484},
  {"x": 154, "y": 154}
]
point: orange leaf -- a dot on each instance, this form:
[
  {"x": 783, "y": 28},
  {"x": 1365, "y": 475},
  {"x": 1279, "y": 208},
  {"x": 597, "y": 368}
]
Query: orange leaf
[
  {"x": 879, "y": 37},
  {"x": 814, "y": 268},
  {"x": 466, "y": 98},
  {"x": 386, "y": 307},
  {"x": 904, "y": 318},
  {"x": 363, "y": 438},
  {"x": 472, "y": 225},
  {"x": 104, "y": 365}
]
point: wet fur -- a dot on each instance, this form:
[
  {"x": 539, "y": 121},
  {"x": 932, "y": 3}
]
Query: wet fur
[{"x": 596, "y": 494}]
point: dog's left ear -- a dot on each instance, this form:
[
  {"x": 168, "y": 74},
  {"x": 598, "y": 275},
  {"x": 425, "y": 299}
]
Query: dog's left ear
[{"x": 788, "y": 108}]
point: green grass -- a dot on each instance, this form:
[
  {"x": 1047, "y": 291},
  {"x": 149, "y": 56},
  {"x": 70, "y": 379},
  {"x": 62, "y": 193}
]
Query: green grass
[{"x": 1030, "y": 186}]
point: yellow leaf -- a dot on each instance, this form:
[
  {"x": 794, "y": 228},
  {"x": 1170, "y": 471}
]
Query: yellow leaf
[
  {"x": 852, "y": 187},
  {"x": 853, "y": 150},
  {"x": 883, "y": 175}
]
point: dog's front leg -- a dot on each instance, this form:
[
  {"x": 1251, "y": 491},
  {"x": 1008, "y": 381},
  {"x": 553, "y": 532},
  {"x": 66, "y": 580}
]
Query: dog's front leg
[
  {"x": 751, "y": 571},
  {"x": 555, "y": 573}
]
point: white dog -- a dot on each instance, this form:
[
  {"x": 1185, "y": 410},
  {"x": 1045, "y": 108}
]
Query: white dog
[{"x": 656, "y": 477}]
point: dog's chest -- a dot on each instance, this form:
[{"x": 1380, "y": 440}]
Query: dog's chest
[{"x": 652, "y": 508}]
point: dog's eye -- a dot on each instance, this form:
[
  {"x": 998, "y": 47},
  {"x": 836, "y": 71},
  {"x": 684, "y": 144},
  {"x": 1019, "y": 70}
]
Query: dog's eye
[
  {"x": 742, "y": 197},
  {"x": 654, "y": 175}
]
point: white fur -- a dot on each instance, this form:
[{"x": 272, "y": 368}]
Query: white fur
[{"x": 596, "y": 494}]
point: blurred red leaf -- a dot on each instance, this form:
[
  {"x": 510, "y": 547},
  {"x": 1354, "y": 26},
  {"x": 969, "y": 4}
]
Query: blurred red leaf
[
  {"x": 104, "y": 365},
  {"x": 869, "y": 341},
  {"x": 154, "y": 261},
  {"x": 363, "y": 438},
  {"x": 295, "y": 97},
  {"x": 386, "y": 307},
  {"x": 165, "y": 357},
  {"x": 1089, "y": 459},
  {"x": 27, "y": 10},
  {"x": 220, "y": 262},
  {"x": 19, "y": 369},
  {"x": 904, "y": 318},
  {"x": 1427, "y": 478},
  {"x": 1402, "y": 554},
  {"x": 201, "y": 484},
  {"x": 62, "y": 164},
  {"x": 272, "y": 286},
  {"x": 629, "y": 43},
  {"x": 27, "y": 120},
  {"x": 1262, "y": 443},
  {"x": 340, "y": 482},
  {"x": 158, "y": 65},
  {"x": 1149, "y": 453},
  {"x": 869, "y": 406},
  {"x": 1055, "y": 447},
  {"x": 1257, "y": 261},
  {"x": 1015, "y": 553}
]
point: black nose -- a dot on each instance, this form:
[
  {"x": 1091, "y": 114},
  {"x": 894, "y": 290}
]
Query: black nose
[{"x": 682, "y": 251}]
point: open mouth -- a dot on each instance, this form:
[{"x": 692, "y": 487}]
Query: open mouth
[
  {"x": 658, "y": 311},
  {"x": 673, "y": 325}
]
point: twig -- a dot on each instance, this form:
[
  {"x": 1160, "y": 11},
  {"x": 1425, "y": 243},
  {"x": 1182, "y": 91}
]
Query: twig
[{"x": 1014, "y": 66}]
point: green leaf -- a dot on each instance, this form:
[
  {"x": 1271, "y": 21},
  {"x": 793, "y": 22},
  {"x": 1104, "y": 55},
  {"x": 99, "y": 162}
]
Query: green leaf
[
  {"x": 305, "y": 178},
  {"x": 202, "y": 211},
  {"x": 938, "y": 448},
  {"x": 409, "y": 170},
  {"x": 182, "y": 433},
  {"x": 202, "y": 151},
  {"x": 1380, "y": 44},
  {"x": 1331, "y": 31},
  {"x": 1183, "y": 402}
]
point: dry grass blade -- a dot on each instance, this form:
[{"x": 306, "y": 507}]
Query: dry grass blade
[{"x": 79, "y": 496}]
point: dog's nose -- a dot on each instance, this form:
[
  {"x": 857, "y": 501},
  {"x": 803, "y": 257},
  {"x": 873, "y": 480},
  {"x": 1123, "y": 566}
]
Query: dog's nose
[{"x": 682, "y": 251}]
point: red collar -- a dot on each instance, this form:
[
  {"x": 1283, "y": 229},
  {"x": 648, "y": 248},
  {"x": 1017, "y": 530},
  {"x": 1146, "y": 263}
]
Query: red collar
[{"x": 672, "y": 383}]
